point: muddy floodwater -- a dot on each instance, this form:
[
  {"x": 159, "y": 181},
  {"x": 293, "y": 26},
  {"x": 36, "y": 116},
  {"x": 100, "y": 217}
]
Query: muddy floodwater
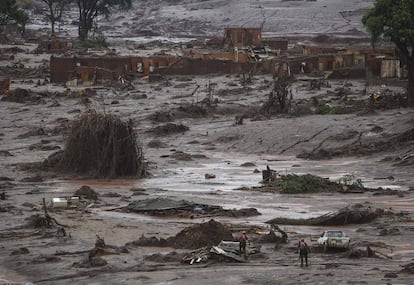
[{"x": 235, "y": 156}]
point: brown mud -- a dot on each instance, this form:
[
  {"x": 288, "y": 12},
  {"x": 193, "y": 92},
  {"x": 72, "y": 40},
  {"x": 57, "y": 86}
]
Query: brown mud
[{"x": 219, "y": 143}]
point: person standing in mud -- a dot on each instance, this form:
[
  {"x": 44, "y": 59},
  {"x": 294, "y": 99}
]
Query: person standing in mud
[
  {"x": 303, "y": 250},
  {"x": 243, "y": 239}
]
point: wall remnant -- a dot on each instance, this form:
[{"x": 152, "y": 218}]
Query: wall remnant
[{"x": 242, "y": 37}]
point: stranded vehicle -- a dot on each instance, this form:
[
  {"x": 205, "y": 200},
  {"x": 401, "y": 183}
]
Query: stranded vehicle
[{"x": 334, "y": 239}]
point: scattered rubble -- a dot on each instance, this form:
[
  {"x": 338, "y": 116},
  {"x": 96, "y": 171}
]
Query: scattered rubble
[
  {"x": 193, "y": 237},
  {"x": 164, "y": 207},
  {"x": 95, "y": 261},
  {"x": 34, "y": 132},
  {"x": 169, "y": 129},
  {"x": 157, "y": 144},
  {"x": 408, "y": 268},
  {"x": 22, "y": 96},
  {"x": 22, "y": 250},
  {"x": 165, "y": 258},
  {"x": 86, "y": 192},
  {"x": 308, "y": 183},
  {"x": 32, "y": 179}
]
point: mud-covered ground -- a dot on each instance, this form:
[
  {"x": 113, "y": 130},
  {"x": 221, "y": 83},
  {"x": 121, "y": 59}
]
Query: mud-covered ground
[
  {"x": 372, "y": 142},
  {"x": 167, "y": 20},
  {"x": 36, "y": 127}
]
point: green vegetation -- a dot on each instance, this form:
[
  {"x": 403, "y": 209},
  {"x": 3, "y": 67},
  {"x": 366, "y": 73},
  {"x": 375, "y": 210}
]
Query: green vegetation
[
  {"x": 11, "y": 13},
  {"x": 308, "y": 183},
  {"x": 328, "y": 110},
  {"x": 393, "y": 20},
  {"x": 351, "y": 180}
]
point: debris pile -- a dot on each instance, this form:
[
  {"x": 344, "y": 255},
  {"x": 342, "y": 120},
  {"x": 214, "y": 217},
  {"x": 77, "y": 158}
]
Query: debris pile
[
  {"x": 280, "y": 98},
  {"x": 354, "y": 214},
  {"x": 161, "y": 117},
  {"x": 162, "y": 258},
  {"x": 292, "y": 184},
  {"x": 193, "y": 237},
  {"x": 20, "y": 95},
  {"x": 275, "y": 235},
  {"x": 32, "y": 133},
  {"x": 94, "y": 258},
  {"x": 199, "y": 235},
  {"x": 101, "y": 145},
  {"x": 225, "y": 251},
  {"x": 157, "y": 144},
  {"x": 358, "y": 253},
  {"x": 197, "y": 256},
  {"x": 86, "y": 192},
  {"x": 179, "y": 155},
  {"x": 169, "y": 129},
  {"x": 188, "y": 110},
  {"x": 387, "y": 99},
  {"x": 408, "y": 268},
  {"x": 164, "y": 207},
  {"x": 22, "y": 250}
]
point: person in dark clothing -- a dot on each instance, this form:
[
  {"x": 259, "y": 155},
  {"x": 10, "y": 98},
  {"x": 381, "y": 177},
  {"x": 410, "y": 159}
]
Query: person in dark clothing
[
  {"x": 243, "y": 239},
  {"x": 303, "y": 250}
]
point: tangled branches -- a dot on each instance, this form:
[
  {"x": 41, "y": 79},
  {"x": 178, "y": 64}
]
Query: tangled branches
[
  {"x": 101, "y": 145},
  {"x": 280, "y": 98}
]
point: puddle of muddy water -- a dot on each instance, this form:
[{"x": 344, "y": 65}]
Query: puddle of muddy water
[
  {"x": 231, "y": 175},
  {"x": 189, "y": 182}
]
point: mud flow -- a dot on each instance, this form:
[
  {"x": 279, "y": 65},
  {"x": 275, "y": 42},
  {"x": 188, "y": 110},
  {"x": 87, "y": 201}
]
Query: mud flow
[{"x": 206, "y": 142}]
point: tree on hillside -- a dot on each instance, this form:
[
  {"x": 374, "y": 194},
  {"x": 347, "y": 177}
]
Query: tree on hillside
[
  {"x": 394, "y": 20},
  {"x": 54, "y": 11},
  {"x": 89, "y": 10},
  {"x": 11, "y": 13}
]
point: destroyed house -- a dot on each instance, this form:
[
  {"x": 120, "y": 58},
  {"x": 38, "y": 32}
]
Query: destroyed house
[
  {"x": 276, "y": 44},
  {"x": 53, "y": 46},
  {"x": 384, "y": 67},
  {"x": 63, "y": 69},
  {"x": 235, "y": 56},
  {"x": 242, "y": 37},
  {"x": 288, "y": 66},
  {"x": 198, "y": 66},
  {"x": 89, "y": 70},
  {"x": 313, "y": 50}
]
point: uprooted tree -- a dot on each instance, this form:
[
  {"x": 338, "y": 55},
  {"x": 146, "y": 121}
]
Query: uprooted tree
[
  {"x": 102, "y": 145},
  {"x": 280, "y": 98},
  {"x": 393, "y": 19}
]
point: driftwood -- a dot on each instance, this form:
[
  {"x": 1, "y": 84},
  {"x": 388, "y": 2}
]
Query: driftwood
[
  {"x": 280, "y": 98},
  {"x": 355, "y": 214},
  {"x": 45, "y": 221},
  {"x": 282, "y": 232}
]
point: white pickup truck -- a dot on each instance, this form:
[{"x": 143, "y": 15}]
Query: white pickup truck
[{"x": 334, "y": 239}]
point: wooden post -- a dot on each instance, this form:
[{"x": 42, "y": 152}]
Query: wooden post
[{"x": 44, "y": 207}]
